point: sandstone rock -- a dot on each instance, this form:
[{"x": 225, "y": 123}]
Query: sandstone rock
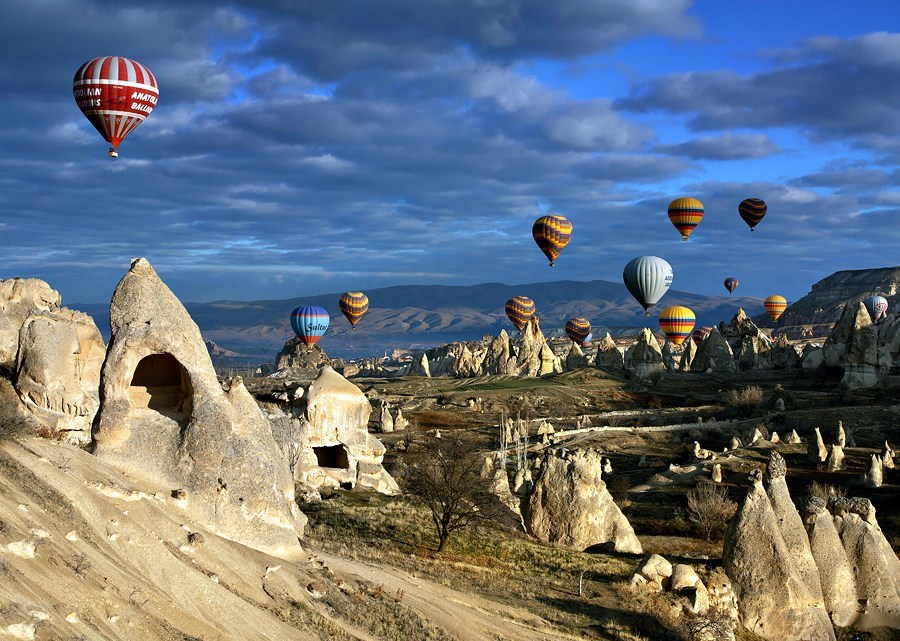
[
  {"x": 701, "y": 454},
  {"x": 494, "y": 471},
  {"x": 535, "y": 357},
  {"x": 683, "y": 576},
  {"x": 887, "y": 456},
  {"x": 301, "y": 359},
  {"x": 575, "y": 359},
  {"x": 836, "y": 574},
  {"x": 498, "y": 359},
  {"x": 165, "y": 420},
  {"x": 644, "y": 358},
  {"x": 773, "y": 599},
  {"x": 668, "y": 357},
  {"x": 400, "y": 422},
  {"x": 860, "y": 358},
  {"x": 874, "y": 476},
  {"x": 782, "y": 355},
  {"x": 716, "y": 473},
  {"x": 813, "y": 357},
  {"x": 687, "y": 356},
  {"x": 841, "y": 434},
  {"x": 522, "y": 482},
  {"x": 714, "y": 353},
  {"x": 755, "y": 435},
  {"x": 794, "y": 438},
  {"x": 774, "y": 438},
  {"x": 835, "y": 461},
  {"x": 57, "y": 375},
  {"x": 875, "y": 565},
  {"x": 386, "y": 421},
  {"x": 608, "y": 355},
  {"x": 570, "y": 504},
  {"x": 779, "y": 404},
  {"x": 19, "y": 299},
  {"x": 656, "y": 570},
  {"x": 736, "y": 443},
  {"x": 816, "y": 451},
  {"x": 791, "y": 527},
  {"x": 607, "y": 466},
  {"x": 752, "y": 353}
]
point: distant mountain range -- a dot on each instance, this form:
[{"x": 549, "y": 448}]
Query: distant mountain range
[{"x": 419, "y": 316}]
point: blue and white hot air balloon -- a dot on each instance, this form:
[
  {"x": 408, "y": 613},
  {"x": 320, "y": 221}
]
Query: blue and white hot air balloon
[
  {"x": 310, "y": 323},
  {"x": 877, "y": 306}
]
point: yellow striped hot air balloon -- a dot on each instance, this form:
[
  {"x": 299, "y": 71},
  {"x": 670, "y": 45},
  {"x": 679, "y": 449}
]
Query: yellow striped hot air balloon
[
  {"x": 677, "y": 323},
  {"x": 353, "y": 305},
  {"x": 551, "y": 233},
  {"x": 520, "y": 309},
  {"x": 685, "y": 213},
  {"x": 578, "y": 329},
  {"x": 775, "y": 306}
]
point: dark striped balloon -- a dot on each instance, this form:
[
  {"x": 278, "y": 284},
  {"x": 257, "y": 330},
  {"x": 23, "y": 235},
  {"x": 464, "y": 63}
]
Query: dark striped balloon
[
  {"x": 731, "y": 283},
  {"x": 677, "y": 323},
  {"x": 578, "y": 329},
  {"x": 520, "y": 309},
  {"x": 310, "y": 323},
  {"x": 353, "y": 305},
  {"x": 551, "y": 233},
  {"x": 685, "y": 214},
  {"x": 752, "y": 211},
  {"x": 700, "y": 334}
]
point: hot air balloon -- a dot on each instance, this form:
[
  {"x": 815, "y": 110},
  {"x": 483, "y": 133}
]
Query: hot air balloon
[
  {"x": 775, "y": 306},
  {"x": 700, "y": 333},
  {"x": 677, "y": 323},
  {"x": 685, "y": 213},
  {"x": 115, "y": 94},
  {"x": 647, "y": 278},
  {"x": 551, "y": 233},
  {"x": 877, "y": 306},
  {"x": 519, "y": 309},
  {"x": 752, "y": 211},
  {"x": 731, "y": 284},
  {"x": 353, "y": 305},
  {"x": 310, "y": 323},
  {"x": 578, "y": 329}
]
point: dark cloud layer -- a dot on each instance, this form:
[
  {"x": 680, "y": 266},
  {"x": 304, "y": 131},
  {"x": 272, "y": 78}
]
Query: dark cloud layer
[{"x": 304, "y": 147}]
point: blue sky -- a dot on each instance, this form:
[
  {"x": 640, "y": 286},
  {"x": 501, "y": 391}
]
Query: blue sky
[{"x": 307, "y": 147}]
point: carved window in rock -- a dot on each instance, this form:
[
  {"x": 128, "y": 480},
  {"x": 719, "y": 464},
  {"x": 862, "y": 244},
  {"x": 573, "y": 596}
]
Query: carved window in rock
[
  {"x": 334, "y": 456},
  {"x": 162, "y": 384}
]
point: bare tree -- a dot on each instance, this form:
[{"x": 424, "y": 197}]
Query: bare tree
[
  {"x": 447, "y": 477},
  {"x": 710, "y": 509}
]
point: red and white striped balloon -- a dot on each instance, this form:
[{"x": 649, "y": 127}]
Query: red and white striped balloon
[{"x": 115, "y": 94}]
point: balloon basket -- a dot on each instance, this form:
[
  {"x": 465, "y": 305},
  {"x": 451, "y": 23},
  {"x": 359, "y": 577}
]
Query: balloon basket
[{"x": 112, "y": 153}]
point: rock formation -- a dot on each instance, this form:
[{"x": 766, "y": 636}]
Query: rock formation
[
  {"x": 644, "y": 358},
  {"x": 782, "y": 354},
  {"x": 687, "y": 355},
  {"x": 654, "y": 571},
  {"x": 608, "y": 355},
  {"x": 570, "y": 504},
  {"x": 794, "y": 438},
  {"x": 668, "y": 357},
  {"x": 19, "y": 299},
  {"x": 716, "y": 473},
  {"x": 301, "y": 359},
  {"x": 385, "y": 420},
  {"x": 887, "y": 456},
  {"x": 57, "y": 374},
  {"x": 860, "y": 357},
  {"x": 773, "y": 597},
  {"x": 714, "y": 353},
  {"x": 494, "y": 471},
  {"x": 166, "y": 421},
  {"x": 841, "y": 434},
  {"x": 835, "y": 461},
  {"x": 400, "y": 422},
  {"x": 816, "y": 450},
  {"x": 575, "y": 359},
  {"x": 874, "y": 476}
]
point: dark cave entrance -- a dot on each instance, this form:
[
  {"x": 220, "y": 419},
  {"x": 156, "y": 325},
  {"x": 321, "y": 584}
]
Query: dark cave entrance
[
  {"x": 334, "y": 456},
  {"x": 162, "y": 384}
]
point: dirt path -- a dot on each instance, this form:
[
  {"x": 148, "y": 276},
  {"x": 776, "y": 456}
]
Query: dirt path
[{"x": 465, "y": 616}]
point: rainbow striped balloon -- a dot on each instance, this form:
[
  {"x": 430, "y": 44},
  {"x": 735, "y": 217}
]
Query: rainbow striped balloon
[
  {"x": 752, "y": 211},
  {"x": 578, "y": 329},
  {"x": 700, "y": 333},
  {"x": 551, "y": 233},
  {"x": 353, "y": 305},
  {"x": 775, "y": 306},
  {"x": 685, "y": 214},
  {"x": 310, "y": 323},
  {"x": 731, "y": 283},
  {"x": 677, "y": 323},
  {"x": 520, "y": 309}
]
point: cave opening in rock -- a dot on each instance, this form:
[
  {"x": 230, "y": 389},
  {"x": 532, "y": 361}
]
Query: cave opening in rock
[
  {"x": 162, "y": 384},
  {"x": 332, "y": 456}
]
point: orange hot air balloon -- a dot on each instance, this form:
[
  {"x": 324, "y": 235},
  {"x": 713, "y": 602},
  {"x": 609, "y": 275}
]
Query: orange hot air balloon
[
  {"x": 677, "y": 323},
  {"x": 775, "y": 306},
  {"x": 353, "y": 305},
  {"x": 520, "y": 309},
  {"x": 552, "y": 234},
  {"x": 685, "y": 214},
  {"x": 115, "y": 94}
]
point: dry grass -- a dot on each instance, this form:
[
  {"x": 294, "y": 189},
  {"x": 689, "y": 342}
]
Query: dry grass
[{"x": 745, "y": 400}]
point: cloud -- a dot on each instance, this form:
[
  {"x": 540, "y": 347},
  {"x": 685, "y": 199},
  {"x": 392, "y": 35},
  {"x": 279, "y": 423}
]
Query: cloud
[{"x": 728, "y": 146}]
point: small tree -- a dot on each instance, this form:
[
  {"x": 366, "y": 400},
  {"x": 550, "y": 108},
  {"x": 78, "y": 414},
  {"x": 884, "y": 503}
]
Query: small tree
[
  {"x": 447, "y": 477},
  {"x": 710, "y": 508},
  {"x": 746, "y": 400}
]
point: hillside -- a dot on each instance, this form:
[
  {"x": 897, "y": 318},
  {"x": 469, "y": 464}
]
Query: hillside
[{"x": 428, "y": 315}]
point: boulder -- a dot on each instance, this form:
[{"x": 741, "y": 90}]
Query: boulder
[
  {"x": 716, "y": 474},
  {"x": 773, "y": 597},
  {"x": 57, "y": 374},
  {"x": 714, "y": 353},
  {"x": 644, "y": 358},
  {"x": 656, "y": 570},
  {"x": 794, "y": 438},
  {"x": 570, "y": 504},
  {"x": 774, "y": 438},
  {"x": 19, "y": 299},
  {"x": 836, "y": 574},
  {"x": 166, "y": 421},
  {"x": 608, "y": 355}
]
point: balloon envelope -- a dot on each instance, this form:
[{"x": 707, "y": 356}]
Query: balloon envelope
[
  {"x": 877, "y": 306},
  {"x": 519, "y": 309},
  {"x": 731, "y": 284},
  {"x": 752, "y": 211},
  {"x": 578, "y": 330},
  {"x": 775, "y": 306},
  {"x": 647, "y": 278},
  {"x": 677, "y": 323},
  {"x": 310, "y": 323},
  {"x": 551, "y": 233},
  {"x": 700, "y": 333},
  {"x": 115, "y": 94},
  {"x": 353, "y": 305},
  {"x": 685, "y": 214}
]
